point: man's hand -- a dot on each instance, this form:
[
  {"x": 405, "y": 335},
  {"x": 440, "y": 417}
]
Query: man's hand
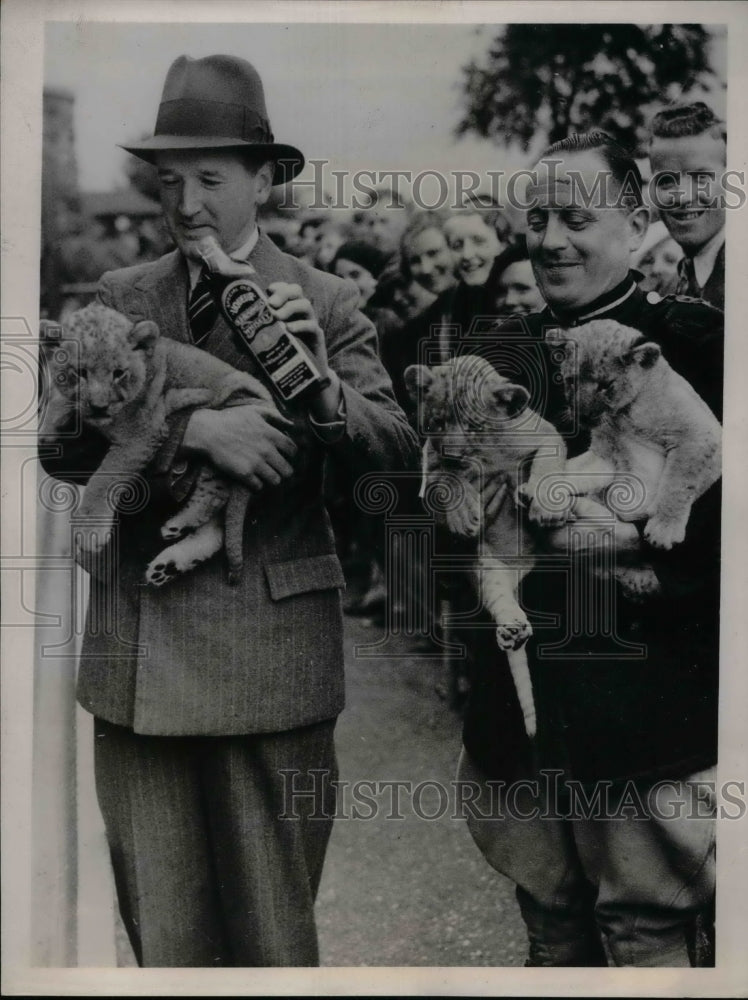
[
  {"x": 246, "y": 442},
  {"x": 289, "y": 305}
]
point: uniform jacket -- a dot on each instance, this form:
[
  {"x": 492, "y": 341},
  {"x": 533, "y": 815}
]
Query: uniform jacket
[
  {"x": 199, "y": 656},
  {"x": 606, "y": 711}
]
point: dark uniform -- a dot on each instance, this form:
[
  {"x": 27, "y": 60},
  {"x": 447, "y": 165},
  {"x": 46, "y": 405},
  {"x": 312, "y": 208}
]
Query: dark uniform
[{"x": 636, "y": 701}]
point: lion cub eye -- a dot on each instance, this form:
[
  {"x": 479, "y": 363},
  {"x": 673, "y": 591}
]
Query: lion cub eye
[
  {"x": 119, "y": 373},
  {"x": 83, "y": 372},
  {"x": 605, "y": 384}
]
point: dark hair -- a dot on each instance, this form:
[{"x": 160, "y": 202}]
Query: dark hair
[
  {"x": 513, "y": 254},
  {"x": 491, "y": 212},
  {"x": 422, "y": 222},
  {"x": 619, "y": 160},
  {"x": 680, "y": 120},
  {"x": 313, "y": 223}
]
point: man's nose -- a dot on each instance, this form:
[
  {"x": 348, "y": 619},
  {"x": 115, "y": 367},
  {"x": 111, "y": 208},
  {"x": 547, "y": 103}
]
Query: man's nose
[
  {"x": 554, "y": 236},
  {"x": 189, "y": 200}
]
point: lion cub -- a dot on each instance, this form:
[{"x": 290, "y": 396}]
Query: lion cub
[
  {"x": 650, "y": 432},
  {"x": 124, "y": 380},
  {"x": 479, "y": 436}
]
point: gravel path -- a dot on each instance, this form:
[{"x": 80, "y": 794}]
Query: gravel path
[{"x": 411, "y": 891}]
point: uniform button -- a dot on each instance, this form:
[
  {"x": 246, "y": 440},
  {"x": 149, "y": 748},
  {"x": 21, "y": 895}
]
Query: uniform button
[
  {"x": 653, "y": 298},
  {"x": 179, "y": 468}
]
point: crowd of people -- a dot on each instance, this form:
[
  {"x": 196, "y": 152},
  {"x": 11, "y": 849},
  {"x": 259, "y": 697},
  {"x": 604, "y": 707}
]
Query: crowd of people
[{"x": 207, "y": 694}]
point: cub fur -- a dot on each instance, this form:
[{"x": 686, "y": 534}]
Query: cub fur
[
  {"x": 479, "y": 436},
  {"x": 124, "y": 379},
  {"x": 646, "y": 421}
]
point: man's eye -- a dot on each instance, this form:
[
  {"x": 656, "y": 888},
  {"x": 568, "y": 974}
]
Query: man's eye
[
  {"x": 168, "y": 180},
  {"x": 536, "y": 223},
  {"x": 576, "y": 221}
]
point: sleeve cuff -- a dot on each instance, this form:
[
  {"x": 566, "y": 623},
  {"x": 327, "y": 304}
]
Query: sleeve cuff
[{"x": 328, "y": 432}]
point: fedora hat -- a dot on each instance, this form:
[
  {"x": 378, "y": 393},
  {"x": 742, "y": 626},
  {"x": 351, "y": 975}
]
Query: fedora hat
[{"x": 216, "y": 103}]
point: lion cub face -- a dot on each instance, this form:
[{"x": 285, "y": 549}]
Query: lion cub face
[
  {"x": 605, "y": 366},
  {"x": 464, "y": 400},
  {"x": 101, "y": 363}
]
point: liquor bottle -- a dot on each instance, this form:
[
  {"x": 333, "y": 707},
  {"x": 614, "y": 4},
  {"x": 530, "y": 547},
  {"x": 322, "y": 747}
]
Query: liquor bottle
[{"x": 290, "y": 369}]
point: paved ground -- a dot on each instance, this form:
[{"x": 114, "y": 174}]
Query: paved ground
[{"x": 410, "y": 892}]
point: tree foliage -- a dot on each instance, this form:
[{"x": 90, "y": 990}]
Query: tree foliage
[{"x": 550, "y": 80}]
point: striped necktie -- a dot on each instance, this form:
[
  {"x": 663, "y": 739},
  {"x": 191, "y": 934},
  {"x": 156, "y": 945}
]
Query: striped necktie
[
  {"x": 202, "y": 308},
  {"x": 687, "y": 283}
]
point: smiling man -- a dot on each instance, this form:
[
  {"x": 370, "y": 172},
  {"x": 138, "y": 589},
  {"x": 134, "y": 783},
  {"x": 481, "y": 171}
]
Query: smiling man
[
  {"x": 212, "y": 701},
  {"x": 688, "y": 155},
  {"x": 625, "y": 692}
]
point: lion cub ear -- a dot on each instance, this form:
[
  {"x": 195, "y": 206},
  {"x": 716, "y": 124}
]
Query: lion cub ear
[
  {"x": 144, "y": 335},
  {"x": 511, "y": 398},
  {"x": 645, "y": 355},
  {"x": 417, "y": 378}
]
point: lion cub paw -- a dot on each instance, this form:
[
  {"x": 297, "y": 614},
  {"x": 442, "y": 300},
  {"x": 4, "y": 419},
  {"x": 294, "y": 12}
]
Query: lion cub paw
[
  {"x": 664, "y": 534},
  {"x": 637, "y": 582},
  {"x": 513, "y": 634}
]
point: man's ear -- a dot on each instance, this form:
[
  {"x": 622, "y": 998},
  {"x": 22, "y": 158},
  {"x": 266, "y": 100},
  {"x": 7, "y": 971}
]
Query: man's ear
[
  {"x": 638, "y": 223},
  {"x": 511, "y": 398},
  {"x": 417, "y": 378},
  {"x": 144, "y": 335},
  {"x": 645, "y": 355},
  {"x": 264, "y": 181}
]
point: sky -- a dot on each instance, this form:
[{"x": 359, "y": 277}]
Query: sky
[{"x": 365, "y": 96}]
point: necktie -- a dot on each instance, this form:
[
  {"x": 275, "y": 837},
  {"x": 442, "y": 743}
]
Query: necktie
[
  {"x": 687, "y": 283},
  {"x": 202, "y": 308}
]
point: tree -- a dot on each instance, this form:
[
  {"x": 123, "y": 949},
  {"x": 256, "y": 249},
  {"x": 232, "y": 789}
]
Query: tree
[{"x": 548, "y": 80}]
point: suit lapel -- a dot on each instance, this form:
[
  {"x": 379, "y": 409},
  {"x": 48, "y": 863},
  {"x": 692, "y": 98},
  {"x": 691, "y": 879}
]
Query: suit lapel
[{"x": 160, "y": 294}]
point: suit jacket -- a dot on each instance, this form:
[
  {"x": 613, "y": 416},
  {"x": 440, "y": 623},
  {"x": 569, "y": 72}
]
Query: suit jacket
[
  {"x": 198, "y": 656},
  {"x": 713, "y": 291}
]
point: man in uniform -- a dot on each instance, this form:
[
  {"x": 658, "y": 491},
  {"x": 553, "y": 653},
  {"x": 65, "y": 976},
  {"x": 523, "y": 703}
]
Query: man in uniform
[
  {"x": 624, "y": 701},
  {"x": 213, "y": 703}
]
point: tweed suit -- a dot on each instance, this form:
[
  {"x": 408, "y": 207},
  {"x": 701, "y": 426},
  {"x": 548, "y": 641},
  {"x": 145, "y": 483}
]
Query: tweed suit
[
  {"x": 280, "y": 676},
  {"x": 199, "y": 658}
]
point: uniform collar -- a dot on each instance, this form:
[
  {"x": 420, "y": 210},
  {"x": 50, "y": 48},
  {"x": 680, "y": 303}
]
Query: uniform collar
[
  {"x": 194, "y": 267},
  {"x": 602, "y": 306}
]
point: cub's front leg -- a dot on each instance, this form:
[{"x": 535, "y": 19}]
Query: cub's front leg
[{"x": 123, "y": 462}]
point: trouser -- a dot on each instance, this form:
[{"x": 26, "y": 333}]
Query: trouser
[
  {"x": 215, "y": 862},
  {"x": 633, "y": 883}
]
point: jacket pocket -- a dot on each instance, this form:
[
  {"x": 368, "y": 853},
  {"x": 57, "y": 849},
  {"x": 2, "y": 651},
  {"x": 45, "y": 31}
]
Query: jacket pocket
[{"x": 298, "y": 576}]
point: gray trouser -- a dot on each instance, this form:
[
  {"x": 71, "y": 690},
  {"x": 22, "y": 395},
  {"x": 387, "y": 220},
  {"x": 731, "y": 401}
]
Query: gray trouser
[
  {"x": 208, "y": 872},
  {"x": 636, "y": 883}
]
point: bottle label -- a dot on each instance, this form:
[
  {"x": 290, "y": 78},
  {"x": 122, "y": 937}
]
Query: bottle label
[
  {"x": 246, "y": 309},
  {"x": 277, "y": 351}
]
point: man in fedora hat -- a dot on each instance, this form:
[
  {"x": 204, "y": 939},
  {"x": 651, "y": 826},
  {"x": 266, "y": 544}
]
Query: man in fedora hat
[{"x": 215, "y": 705}]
